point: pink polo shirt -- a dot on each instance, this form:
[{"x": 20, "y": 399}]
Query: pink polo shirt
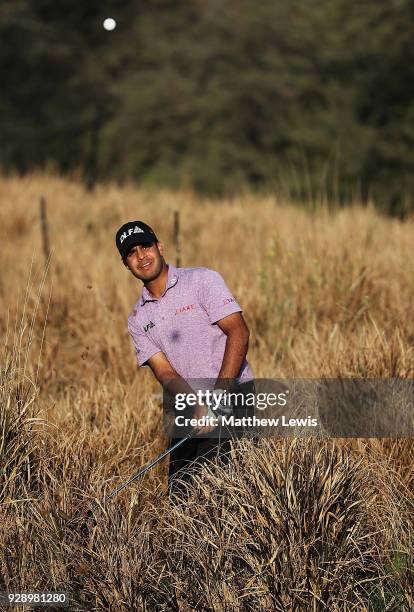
[{"x": 182, "y": 323}]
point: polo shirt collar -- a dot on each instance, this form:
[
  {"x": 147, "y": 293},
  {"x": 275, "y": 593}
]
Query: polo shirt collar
[{"x": 172, "y": 279}]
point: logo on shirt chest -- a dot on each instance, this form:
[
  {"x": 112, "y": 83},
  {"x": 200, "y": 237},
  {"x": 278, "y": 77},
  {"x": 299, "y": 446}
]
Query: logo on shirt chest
[
  {"x": 185, "y": 308},
  {"x": 149, "y": 326}
]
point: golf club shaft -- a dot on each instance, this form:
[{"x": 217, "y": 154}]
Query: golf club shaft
[{"x": 150, "y": 465}]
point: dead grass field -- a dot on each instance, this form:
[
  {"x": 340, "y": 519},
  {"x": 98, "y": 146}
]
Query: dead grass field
[{"x": 295, "y": 524}]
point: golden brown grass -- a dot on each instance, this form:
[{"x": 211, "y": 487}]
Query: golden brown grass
[{"x": 295, "y": 524}]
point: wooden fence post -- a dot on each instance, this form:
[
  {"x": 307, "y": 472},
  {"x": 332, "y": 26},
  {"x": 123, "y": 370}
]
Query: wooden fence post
[
  {"x": 45, "y": 228},
  {"x": 177, "y": 238}
]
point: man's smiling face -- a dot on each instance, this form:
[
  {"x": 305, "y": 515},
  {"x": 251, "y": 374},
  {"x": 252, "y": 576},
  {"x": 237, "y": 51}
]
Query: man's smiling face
[{"x": 145, "y": 261}]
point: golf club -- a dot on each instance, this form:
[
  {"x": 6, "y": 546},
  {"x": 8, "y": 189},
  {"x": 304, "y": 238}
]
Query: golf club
[
  {"x": 142, "y": 471},
  {"x": 150, "y": 465}
]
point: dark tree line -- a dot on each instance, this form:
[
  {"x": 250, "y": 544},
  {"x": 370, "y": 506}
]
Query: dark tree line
[{"x": 309, "y": 97}]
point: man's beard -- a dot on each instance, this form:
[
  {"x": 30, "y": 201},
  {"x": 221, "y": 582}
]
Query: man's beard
[{"x": 157, "y": 271}]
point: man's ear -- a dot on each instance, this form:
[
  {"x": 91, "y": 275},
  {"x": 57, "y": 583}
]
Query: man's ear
[{"x": 160, "y": 248}]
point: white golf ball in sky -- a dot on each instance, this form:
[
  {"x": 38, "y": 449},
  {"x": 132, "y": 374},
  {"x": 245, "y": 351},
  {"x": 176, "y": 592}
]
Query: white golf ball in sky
[{"x": 109, "y": 24}]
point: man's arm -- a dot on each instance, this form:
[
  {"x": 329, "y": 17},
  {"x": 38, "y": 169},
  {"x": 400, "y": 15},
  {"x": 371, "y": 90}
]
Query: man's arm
[
  {"x": 166, "y": 375},
  {"x": 237, "y": 343},
  {"x": 174, "y": 383},
  {"x": 223, "y": 310}
]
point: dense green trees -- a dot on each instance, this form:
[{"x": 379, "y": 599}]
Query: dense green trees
[{"x": 309, "y": 97}]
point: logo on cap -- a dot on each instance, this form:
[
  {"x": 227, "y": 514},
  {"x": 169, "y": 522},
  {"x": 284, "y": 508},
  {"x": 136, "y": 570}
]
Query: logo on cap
[
  {"x": 132, "y": 233},
  {"x": 132, "y": 230}
]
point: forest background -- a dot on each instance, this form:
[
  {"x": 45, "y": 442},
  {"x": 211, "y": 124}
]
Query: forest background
[{"x": 295, "y": 96}]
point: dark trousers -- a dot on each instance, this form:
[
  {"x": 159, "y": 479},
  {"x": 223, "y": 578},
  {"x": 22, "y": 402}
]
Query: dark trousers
[{"x": 186, "y": 459}]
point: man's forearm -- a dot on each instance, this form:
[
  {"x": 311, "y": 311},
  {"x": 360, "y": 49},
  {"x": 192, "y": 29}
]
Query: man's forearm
[
  {"x": 234, "y": 355},
  {"x": 173, "y": 384}
]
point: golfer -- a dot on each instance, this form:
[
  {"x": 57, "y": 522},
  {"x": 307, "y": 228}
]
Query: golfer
[{"x": 186, "y": 325}]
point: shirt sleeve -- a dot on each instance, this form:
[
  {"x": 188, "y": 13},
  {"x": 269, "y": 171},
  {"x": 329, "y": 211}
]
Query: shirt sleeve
[
  {"x": 216, "y": 298},
  {"x": 144, "y": 347}
]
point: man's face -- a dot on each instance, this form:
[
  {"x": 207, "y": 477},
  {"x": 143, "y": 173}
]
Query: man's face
[{"x": 145, "y": 261}]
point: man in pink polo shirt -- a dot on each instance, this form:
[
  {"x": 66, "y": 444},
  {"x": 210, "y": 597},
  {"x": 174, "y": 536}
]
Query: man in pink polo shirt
[{"x": 185, "y": 325}]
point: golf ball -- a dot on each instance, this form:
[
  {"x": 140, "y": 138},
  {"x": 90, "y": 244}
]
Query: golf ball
[{"x": 109, "y": 24}]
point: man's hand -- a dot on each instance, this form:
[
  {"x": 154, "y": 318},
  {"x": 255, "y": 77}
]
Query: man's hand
[
  {"x": 201, "y": 411},
  {"x": 220, "y": 408}
]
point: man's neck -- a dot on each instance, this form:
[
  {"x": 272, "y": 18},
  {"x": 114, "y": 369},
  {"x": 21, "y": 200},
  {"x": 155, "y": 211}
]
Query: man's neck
[{"x": 157, "y": 286}]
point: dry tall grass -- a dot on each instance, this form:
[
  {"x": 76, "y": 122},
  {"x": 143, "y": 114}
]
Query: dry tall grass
[{"x": 293, "y": 525}]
